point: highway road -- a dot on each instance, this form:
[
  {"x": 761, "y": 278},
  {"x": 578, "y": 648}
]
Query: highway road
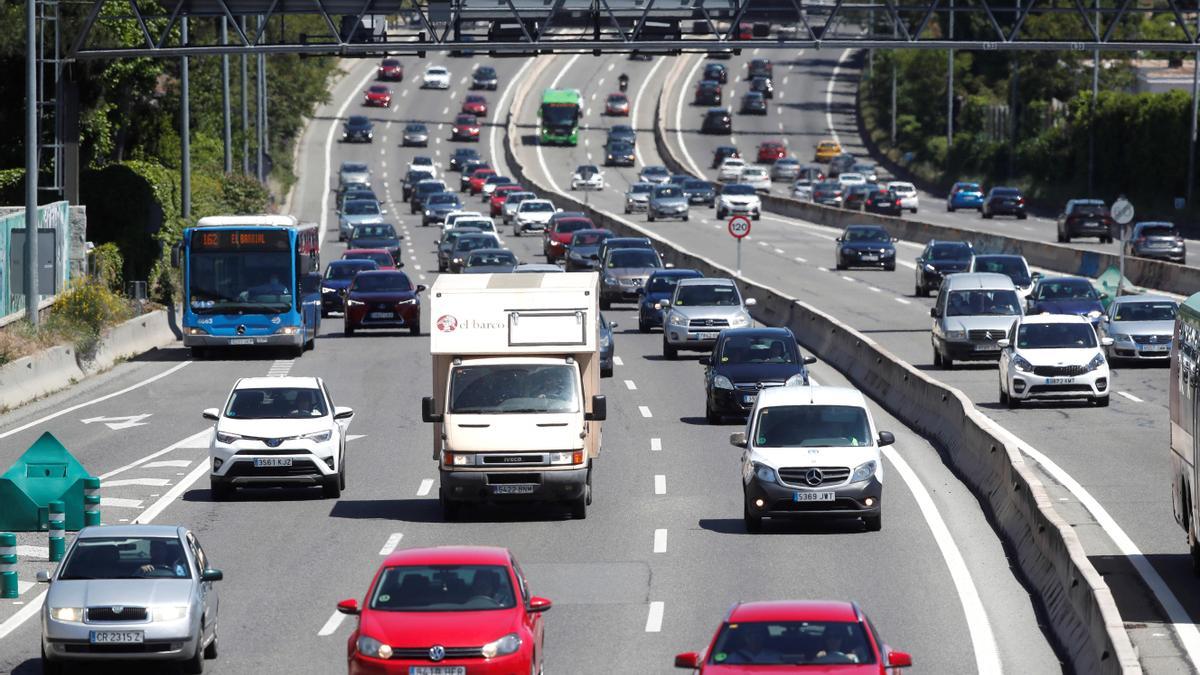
[{"x": 657, "y": 562}]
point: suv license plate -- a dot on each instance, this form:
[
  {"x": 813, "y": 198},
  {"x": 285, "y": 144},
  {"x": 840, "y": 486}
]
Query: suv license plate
[
  {"x": 116, "y": 637},
  {"x": 437, "y": 670},
  {"x": 707, "y": 336},
  {"x": 381, "y": 315},
  {"x": 513, "y": 489},
  {"x": 1060, "y": 380},
  {"x": 272, "y": 461},
  {"x": 1156, "y": 348},
  {"x": 812, "y": 496}
]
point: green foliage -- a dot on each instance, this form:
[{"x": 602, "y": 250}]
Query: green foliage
[
  {"x": 82, "y": 312},
  {"x": 108, "y": 266}
]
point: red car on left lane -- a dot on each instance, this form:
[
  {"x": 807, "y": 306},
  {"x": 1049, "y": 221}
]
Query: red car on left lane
[
  {"x": 378, "y": 95},
  {"x": 382, "y": 299},
  {"x": 464, "y": 609},
  {"x": 496, "y": 201}
]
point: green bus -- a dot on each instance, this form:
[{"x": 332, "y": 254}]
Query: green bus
[{"x": 559, "y": 115}]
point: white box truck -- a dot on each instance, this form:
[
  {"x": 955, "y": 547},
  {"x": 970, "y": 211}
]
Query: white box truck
[{"x": 516, "y": 403}]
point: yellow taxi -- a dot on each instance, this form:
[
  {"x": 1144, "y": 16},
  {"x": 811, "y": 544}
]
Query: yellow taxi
[{"x": 827, "y": 150}]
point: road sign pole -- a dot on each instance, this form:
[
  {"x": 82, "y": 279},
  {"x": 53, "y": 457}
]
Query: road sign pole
[
  {"x": 739, "y": 257},
  {"x": 1122, "y": 214}
]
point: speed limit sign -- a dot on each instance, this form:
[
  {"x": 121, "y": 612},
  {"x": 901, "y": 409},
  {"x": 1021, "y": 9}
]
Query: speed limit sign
[{"x": 739, "y": 226}]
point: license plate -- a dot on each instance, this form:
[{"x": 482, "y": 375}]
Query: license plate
[
  {"x": 1155, "y": 348},
  {"x": 272, "y": 461},
  {"x": 812, "y": 496},
  {"x": 381, "y": 315},
  {"x": 984, "y": 348},
  {"x": 1060, "y": 380},
  {"x": 870, "y": 258},
  {"x": 437, "y": 670},
  {"x": 707, "y": 336},
  {"x": 513, "y": 489},
  {"x": 749, "y": 398},
  {"x": 116, "y": 637},
  {"x": 242, "y": 341}
]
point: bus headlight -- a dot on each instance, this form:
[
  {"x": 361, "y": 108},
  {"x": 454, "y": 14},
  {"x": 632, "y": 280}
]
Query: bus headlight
[{"x": 287, "y": 330}]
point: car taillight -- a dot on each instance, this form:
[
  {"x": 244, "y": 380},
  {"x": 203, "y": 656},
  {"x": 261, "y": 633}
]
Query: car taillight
[{"x": 897, "y": 202}]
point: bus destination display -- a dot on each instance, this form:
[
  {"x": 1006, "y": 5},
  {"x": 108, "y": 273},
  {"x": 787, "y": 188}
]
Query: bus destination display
[{"x": 239, "y": 240}]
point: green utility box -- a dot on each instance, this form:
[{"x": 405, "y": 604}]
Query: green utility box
[
  {"x": 1107, "y": 283},
  {"x": 47, "y": 472}
]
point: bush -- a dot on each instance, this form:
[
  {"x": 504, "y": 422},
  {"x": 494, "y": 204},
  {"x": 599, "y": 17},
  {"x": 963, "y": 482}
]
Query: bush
[
  {"x": 108, "y": 265},
  {"x": 82, "y": 312}
]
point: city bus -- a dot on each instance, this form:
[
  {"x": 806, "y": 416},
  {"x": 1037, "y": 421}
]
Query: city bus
[
  {"x": 559, "y": 115},
  {"x": 1183, "y": 396},
  {"x": 250, "y": 281}
]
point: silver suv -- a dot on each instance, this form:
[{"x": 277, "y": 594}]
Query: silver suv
[
  {"x": 698, "y": 311},
  {"x": 973, "y": 312}
]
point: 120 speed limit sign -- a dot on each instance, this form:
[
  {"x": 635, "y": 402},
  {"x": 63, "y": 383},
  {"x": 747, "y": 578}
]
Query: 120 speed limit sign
[{"x": 739, "y": 226}]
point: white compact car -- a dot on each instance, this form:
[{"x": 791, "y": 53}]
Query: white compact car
[
  {"x": 532, "y": 214},
  {"x": 435, "y": 77},
  {"x": 811, "y": 452},
  {"x": 448, "y": 221},
  {"x": 423, "y": 163},
  {"x": 278, "y": 431},
  {"x": 802, "y": 190},
  {"x": 738, "y": 199},
  {"x": 907, "y": 192},
  {"x": 848, "y": 179},
  {"x": 1053, "y": 356},
  {"x": 757, "y": 177},
  {"x": 587, "y": 177},
  {"x": 514, "y": 199},
  {"x": 731, "y": 169}
]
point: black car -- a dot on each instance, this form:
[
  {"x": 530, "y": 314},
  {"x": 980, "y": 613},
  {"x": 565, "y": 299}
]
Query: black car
[
  {"x": 744, "y": 362},
  {"x": 761, "y": 68},
  {"x": 460, "y": 157},
  {"x": 699, "y": 192},
  {"x": 939, "y": 259},
  {"x": 484, "y": 77},
  {"x": 583, "y": 253},
  {"x": 622, "y": 132},
  {"x": 883, "y": 201},
  {"x": 1003, "y": 201},
  {"x": 708, "y": 92},
  {"x": 377, "y": 235},
  {"x": 717, "y": 72},
  {"x": 717, "y": 121},
  {"x": 411, "y": 179},
  {"x": 865, "y": 246},
  {"x": 359, "y": 128},
  {"x": 753, "y": 103},
  {"x": 723, "y": 152},
  {"x": 764, "y": 86},
  {"x": 855, "y": 196},
  {"x": 1086, "y": 218},
  {"x": 619, "y": 153},
  {"x": 1158, "y": 241},
  {"x": 421, "y": 192}
]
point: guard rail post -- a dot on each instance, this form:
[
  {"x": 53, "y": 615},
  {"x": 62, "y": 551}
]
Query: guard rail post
[
  {"x": 57, "y": 529},
  {"x": 91, "y": 501},
  {"x": 8, "y": 566}
]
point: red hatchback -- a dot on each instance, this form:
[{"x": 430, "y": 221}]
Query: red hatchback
[
  {"x": 474, "y": 104},
  {"x": 475, "y": 185},
  {"x": 466, "y": 128},
  {"x": 382, "y": 299},
  {"x": 391, "y": 70},
  {"x": 559, "y": 230},
  {"x": 452, "y": 610},
  {"x": 824, "y": 637},
  {"x": 769, "y": 151},
  {"x": 378, "y": 95},
  {"x": 499, "y": 195}
]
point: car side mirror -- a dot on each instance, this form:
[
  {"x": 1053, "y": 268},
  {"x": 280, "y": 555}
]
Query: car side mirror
[
  {"x": 211, "y": 414},
  {"x": 1104, "y": 296},
  {"x": 738, "y": 439},
  {"x": 1003, "y": 343},
  {"x": 663, "y": 304},
  {"x": 935, "y": 312},
  {"x": 705, "y": 361},
  {"x": 750, "y": 302},
  {"x": 899, "y": 660},
  {"x": 1036, "y": 275},
  {"x": 343, "y": 413},
  {"x": 43, "y": 576},
  {"x": 212, "y": 575},
  {"x": 809, "y": 360},
  {"x": 348, "y": 607},
  {"x": 612, "y": 325},
  {"x": 886, "y": 438},
  {"x": 838, "y": 240},
  {"x": 538, "y": 605},
  {"x": 1106, "y": 342},
  {"x": 687, "y": 660},
  {"x": 421, "y": 288},
  {"x": 599, "y": 411},
  {"x": 427, "y": 411}
]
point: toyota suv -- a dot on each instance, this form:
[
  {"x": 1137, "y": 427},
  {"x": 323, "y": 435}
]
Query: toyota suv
[
  {"x": 972, "y": 314},
  {"x": 698, "y": 311}
]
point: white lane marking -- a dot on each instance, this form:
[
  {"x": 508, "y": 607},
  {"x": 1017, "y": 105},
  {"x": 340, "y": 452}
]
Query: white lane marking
[
  {"x": 326, "y": 188},
  {"x": 637, "y": 100},
  {"x": 494, "y": 133},
  {"x": 848, "y": 278},
  {"x": 822, "y": 268},
  {"x": 332, "y": 624},
  {"x": 800, "y": 260},
  {"x": 194, "y": 438},
  {"x": 611, "y": 66},
  {"x": 391, "y": 543},
  {"x": 126, "y": 390},
  {"x": 654, "y": 617},
  {"x": 660, "y": 541},
  {"x": 617, "y": 361},
  {"x": 902, "y": 301},
  {"x": 121, "y": 503},
  {"x": 987, "y": 656},
  {"x": 763, "y": 243},
  {"x": 829, "y": 96},
  {"x": 644, "y": 410},
  {"x": 174, "y": 493},
  {"x": 1130, "y": 396},
  {"x": 22, "y": 615},
  {"x": 656, "y": 444},
  {"x": 687, "y": 156},
  {"x": 779, "y": 251},
  {"x": 660, "y": 484},
  {"x": 630, "y": 385},
  {"x": 149, "y": 482},
  {"x": 426, "y": 486},
  {"x": 354, "y": 437},
  {"x": 873, "y": 288},
  {"x": 417, "y": 267},
  {"x": 446, "y": 110}
]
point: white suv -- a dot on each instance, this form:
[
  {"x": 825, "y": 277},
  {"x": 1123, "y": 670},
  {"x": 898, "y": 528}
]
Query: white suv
[
  {"x": 533, "y": 214},
  {"x": 278, "y": 431},
  {"x": 811, "y": 452},
  {"x": 1053, "y": 356}
]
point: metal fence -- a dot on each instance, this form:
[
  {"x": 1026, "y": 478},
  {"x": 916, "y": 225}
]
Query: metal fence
[{"x": 54, "y": 224}]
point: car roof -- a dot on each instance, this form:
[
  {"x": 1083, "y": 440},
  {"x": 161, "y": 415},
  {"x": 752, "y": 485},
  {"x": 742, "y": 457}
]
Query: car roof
[
  {"x": 759, "y": 331},
  {"x": 677, "y": 272},
  {"x": 978, "y": 280},
  {"x": 706, "y": 281},
  {"x": 136, "y": 530},
  {"x": 808, "y": 395},
  {"x": 277, "y": 382},
  {"x": 1143, "y": 297},
  {"x": 350, "y": 263},
  {"x": 1060, "y": 279},
  {"x": 794, "y": 610},
  {"x": 449, "y": 555}
]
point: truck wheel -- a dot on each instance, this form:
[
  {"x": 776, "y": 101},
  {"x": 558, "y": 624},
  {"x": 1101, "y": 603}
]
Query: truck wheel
[
  {"x": 451, "y": 511},
  {"x": 874, "y": 523},
  {"x": 579, "y": 508},
  {"x": 710, "y": 416}
]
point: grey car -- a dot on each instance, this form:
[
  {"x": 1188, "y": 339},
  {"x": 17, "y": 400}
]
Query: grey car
[
  {"x": 358, "y": 212},
  {"x": 667, "y": 201},
  {"x": 490, "y": 261},
  {"x": 415, "y": 135},
  {"x": 437, "y": 205},
  {"x": 972, "y": 313},
  {"x": 131, "y": 593},
  {"x": 353, "y": 172},
  {"x": 606, "y": 346},
  {"x": 583, "y": 253},
  {"x": 785, "y": 169},
  {"x": 1141, "y": 327},
  {"x": 624, "y": 272},
  {"x": 698, "y": 311},
  {"x": 637, "y": 197},
  {"x": 1158, "y": 241}
]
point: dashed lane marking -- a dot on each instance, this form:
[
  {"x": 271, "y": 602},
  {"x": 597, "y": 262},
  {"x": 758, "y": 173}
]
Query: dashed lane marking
[
  {"x": 630, "y": 385},
  {"x": 656, "y": 444},
  {"x": 167, "y": 464},
  {"x": 332, "y": 624},
  {"x": 660, "y": 541},
  {"x": 645, "y": 410},
  {"x": 1130, "y": 396},
  {"x": 660, "y": 484},
  {"x": 902, "y": 301},
  {"x": 391, "y": 543},
  {"x": 617, "y": 361},
  {"x": 654, "y": 617},
  {"x": 426, "y": 486}
]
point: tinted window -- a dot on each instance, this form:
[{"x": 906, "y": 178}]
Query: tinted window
[
  {"x": 385, "y": 231},
  {"x": 348, "y": 271},
  {"x": 587, "y": 239},
  {"x": 380, "y": 258},
  {"x": 492, "y": 258},
  {"x": 1157, "y": 231},
  {"x": 1146, "y": 311},
  {"x": 502, "y": 389},
  {"x": 353, "y": 167},
  {"x": 693, "y": 184},
  {"x": 747, "y": 349},
  {"x": 1070, "y": 289},
  {"x": 1010, "y": 266},
  {"x": 443, "y": 588},
  {"x": 950, "y": 252},
  {"x": 812, "y": 426},
  {"x": 1056, "y": 336},
  {"x": 633, "y": 257},
  {"x": 738, "y": 190},
  {"x": 381, "y": 283},
  {"x": 668, "y": 193},
  {"x": 983, "y": 303},
  {"x": 572, "y": 225},
  {"x": 443, "y": 199},
  {"x": 795, "y": 643},
  {"x": 361, "y": 207},
  {"x": 276, "y": 403},
  {"x": 707, "y": 295},
  {"x": 872, "y": 234},
  {"x": 127, "y": 558},
  {"x": 537, "y": 207}
]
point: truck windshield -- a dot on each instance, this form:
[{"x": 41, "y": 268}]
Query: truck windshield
[{"x": 513, "y": 388}]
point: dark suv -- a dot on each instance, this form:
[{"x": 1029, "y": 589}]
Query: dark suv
[
  {"x": 1004, "y": 201},
  {"x": 717, "y": 121},
  {"x": 1086, "y": 218},
  {"x": 744, "y": 362},
  {"x": 708, "y": 92},
  {"x": 939, "y": 259}
]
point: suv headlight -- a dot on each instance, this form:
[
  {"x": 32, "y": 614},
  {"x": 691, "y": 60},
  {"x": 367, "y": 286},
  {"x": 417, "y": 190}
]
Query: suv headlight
[
  {"x": 319, "y": 436},
  {"x": 1121, "y": 337},
  {"x": 328, "y": 289},
  {"x": 677, "y": 320},
  {"x": 1094, "y": 314},
  {"x": 1096, "y": 362},
  {"x": 509, "y": 644},
  {"x": 1021, "y": 364},
  {"x": 68, "y": 614},
  {"x": 169, "y": 613},
  {"x": 863, "y": 472},
  {"x": 930, "y": 268},
  {"x": 227, "y": 438},
  {"x": 722, "y": 382},
  {"x": 797, "y": 380},
  {"x": 369, "y": 646},
  {"x": 765, "y": 473},
  {"x": 955, "y": 334},
  {"x": 740, "y": 320}
]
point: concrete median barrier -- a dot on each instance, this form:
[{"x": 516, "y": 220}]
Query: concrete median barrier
[{"x": 1081, "y": 613}]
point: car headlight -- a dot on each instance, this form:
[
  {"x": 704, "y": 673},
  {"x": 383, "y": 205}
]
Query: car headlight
[
  {"x": 319, "y": 436},
  {"x": 369, "y": 646},
  {"x": 227, "y": 438},
  {"x": 677, "y": 320},
  {"x": 1022, "y": 365},
  {"x": 765, "y": 473},
  {"x": 955, "y": 334},
  {"x": 609, "y": 281},
  {"x": 509, "y": 644},
  {"x": 722, "y": 382},
  {"x": 930, "y": 268},
  {"x": 428, "y": 212},
  {"x": 68, "y": 614},
  {"x": 327, "y": 289},
  {"x": 1121, "y": 337},
  {"x": 797, "y": 380},
  {"x": 1096, "y": 362},
  {"x": 740, "y": 320},
  {"x": 169, "y": 613},
  {"x": 863, "y": 472},
  {"x": 1094, "y": 314},
  {"x": 355, "y": 303}
]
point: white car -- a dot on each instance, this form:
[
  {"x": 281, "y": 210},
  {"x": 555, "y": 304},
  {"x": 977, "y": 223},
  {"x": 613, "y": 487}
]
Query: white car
[
  {"x": 587, "y": 177},
  {"x": 849, "y": 178},
  {"x": 802, "y": 190},
  {"x": 812, "y": 446},
  {"x": 278, "y": 431},
  {"x": 423, "y": 163},
  {"x": 435, "y": 77},
  {"x": 483, "y": 223},
  {"x": 655, "y": 173},
  {"x": 756, "y": 176},
  {"x": 731, "y": 169},
  {"x": 532, "y": 214},
  {"x": 907, "y": 192},
  {"x": 1053, "y": 356},
  {"x": 449, "y": 220},
  {"x": 738, "y": 199},
  {"x": 512, "y": 201}
]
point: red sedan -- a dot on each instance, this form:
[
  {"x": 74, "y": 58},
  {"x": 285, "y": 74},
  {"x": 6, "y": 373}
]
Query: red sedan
[
  {"x": 464, "y": 609},
  {"x": 499, "y": 195},
  {"x": 476, "y": 105},
  {"x": 810, "y": 636},
  {"x": 381, "y": 256},
  {"x": 617, "y": 105},
  {"x": 383, "y": 299},
  {"x": 466, "y": 128},
  {"x": 769, "y": 151},
  {"x": 475, "y": 185},
  {"x": 378, "y": 95},
  {"x": 559, "y": 230},
  {"x": 391, "y": 70}
]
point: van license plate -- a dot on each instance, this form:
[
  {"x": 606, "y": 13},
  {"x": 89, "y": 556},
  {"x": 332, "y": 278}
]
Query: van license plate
[
  {"x": 812, "y": 496},
  {"x": 272, "y": 461},
  {"x": 1060, "y": 380},
  {"x": 513, "y": 489},
  {"x": 116, "y": 637}
]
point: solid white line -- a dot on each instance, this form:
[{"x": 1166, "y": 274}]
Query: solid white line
[
  {"x": 660, "y": 484},
  {"x": 829, "y": 96},
  {"x": 645, "y": 411},
  {"x": 1130, "y": 396},
  {"x": 656, "y": 444},
  {"x": 630, "y": 385},
  {"x": 987, "y": 656},
  {"x": 654, "y": 617},
  {"x": 902, "y": 301},
  {"x": 327, "y": 188},
  {"x": 64, "y": 411},
  {"x": 171, "y": 495},
  {"x": 637, "y": 100},
  {"x": 687, "y": 156},
  {"x": 494, "y": 133},
  {"x": 426, "y": 486},
  {"x": 660, "y": 541},
  {"x": 150, "y": 482},
  {"x": 332, "y": 624},
  {"x": 391, "y": 543}
]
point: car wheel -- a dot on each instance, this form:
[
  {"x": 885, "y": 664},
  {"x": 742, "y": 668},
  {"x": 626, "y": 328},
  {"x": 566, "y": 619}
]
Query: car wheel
[
  {"x": 947, "y": 362},
  {"x": 342, "y": 472},
  {"x": 1012, "y": 401},
  {"x": 195, "y": 664},
  {"x": 914, "y": 210},
  {"x": 756, "y": 216},
  {"x": 685, "y": 218},
  {"x": 324, "y": 314},
  {"x": 348, "y": 331},
  {"x": 720, "y": 214},
  {"x": 332, "y": 487},
  {"x": 710, "y": 416},
  {"x": 219, "y": 490},
  {"x": 211, "y": 651},
  {"x": 986, "y": 215},
  {"x": 949, "y": 209},
  {"x": 51, "y": 667},
  {"x": 1022, "y": 216},
  {"x": 669, "y": 352},
  {"x": 643, "y": 327},
  {"x": 414, "y": 329},
  {"x": 874, "y": 523},
  {"x": 890, "y": 267},
  {"x": 605, "y": 304},
  {"x": 937, "y": 357},
  {"x": 649, "y": 217},
  {"x": 579, "y": 507},
  {"x": 839, "y": 266},
  {"x": 452, "y": 511},
  {"x": 606, "y": 372},
  {"x": 753, "y": 523},
  {"x": 1101, "y": 401},
  {"x": 918, "y": 290}
]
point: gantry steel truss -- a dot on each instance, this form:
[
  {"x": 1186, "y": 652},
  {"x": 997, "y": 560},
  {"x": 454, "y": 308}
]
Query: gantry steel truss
[{"x": 522, "y": 27}]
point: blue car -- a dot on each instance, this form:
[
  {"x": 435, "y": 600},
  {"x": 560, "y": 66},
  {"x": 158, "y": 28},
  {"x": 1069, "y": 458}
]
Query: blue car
[
  {"x": 1067, "y": 295},
  {"x": 606, "y": 346},
  {"x": 338, "y": 275},
  {"x": 965, "y": 196},
  {"x": 660, "y": 286}
]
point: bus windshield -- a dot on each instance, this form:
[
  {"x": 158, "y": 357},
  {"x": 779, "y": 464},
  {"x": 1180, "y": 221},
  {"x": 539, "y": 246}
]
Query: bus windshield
[
  {"x": 560, "y": 114},
  {"x": 240, "y": 282}
]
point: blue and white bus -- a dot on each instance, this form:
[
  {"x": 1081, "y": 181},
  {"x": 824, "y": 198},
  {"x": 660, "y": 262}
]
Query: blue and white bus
[{"x": 251, "y": 281}]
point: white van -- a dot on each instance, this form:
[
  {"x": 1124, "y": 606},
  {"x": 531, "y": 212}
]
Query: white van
[{"x": 972, "y": 314}]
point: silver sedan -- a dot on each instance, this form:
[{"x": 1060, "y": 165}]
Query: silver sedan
[
  {"x": 131, "y": 593},
  {"x": 1141, "y": 326}
]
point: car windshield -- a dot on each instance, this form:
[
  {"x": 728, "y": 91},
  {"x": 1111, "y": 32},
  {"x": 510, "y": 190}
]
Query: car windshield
[
  {"x": 443, "y": 199},
  {"x": 662, "y": 284},
  {"x": 354, "y": 167},
  {"x": 537, "y": 207},
  {"x": 358, "y": 121},
  {"x": 276, "y": 403},
  {"x": 514, "y": 388},
  {"x": 481, "y": 225},
  {"x": 738, "y": 190},
  {"x": 655, "y": 171},
  {"x": 381, "y": 283},
  {"x": 694, "y": 184},
  {"x": 757, "y": 349},
  {"x": 1145, "y": 311},
  {"x": 864, "y": 234},
  {"x": 378, "y": 89},
  {"x": 1072, "y": 289},
  {"x": 126, "y": 558},
  {"x": 1056, "y": 336},
  {"x": 348, "y": 271},
  {"x": 616, "y": 98},
  {"x": 380, "y": 258},
  {"x": 443, "y": 588},
  {"x": 416, "y": 176},
  {"x": 812, "y": 426},
  {"x": 640, "y": 188},
  {"x": 415, "y": 128},
  {"x": 472, "y": 243},
  {"x": 375, "y": 231},
  {"x": 492, "y": 258},
  {"x": 361, "y": 207},
  {"x": 950, "y": 252},
  {"x": 706, "y": 295},
  {"x": 431, "y": 188},
  {"x": 793, "y": 643},
  {"x": 587, "y": 239},
  {"x": 485, "y": 71},
  {"x": 564, "y": 226},
  {"x": 1157, "y": 231},
  {"x": 668, "y": 193},
  {"x": 1012, "y": 267},
  {"x": 633, "y": 257},
  {"x": 980, "y": 302}
]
